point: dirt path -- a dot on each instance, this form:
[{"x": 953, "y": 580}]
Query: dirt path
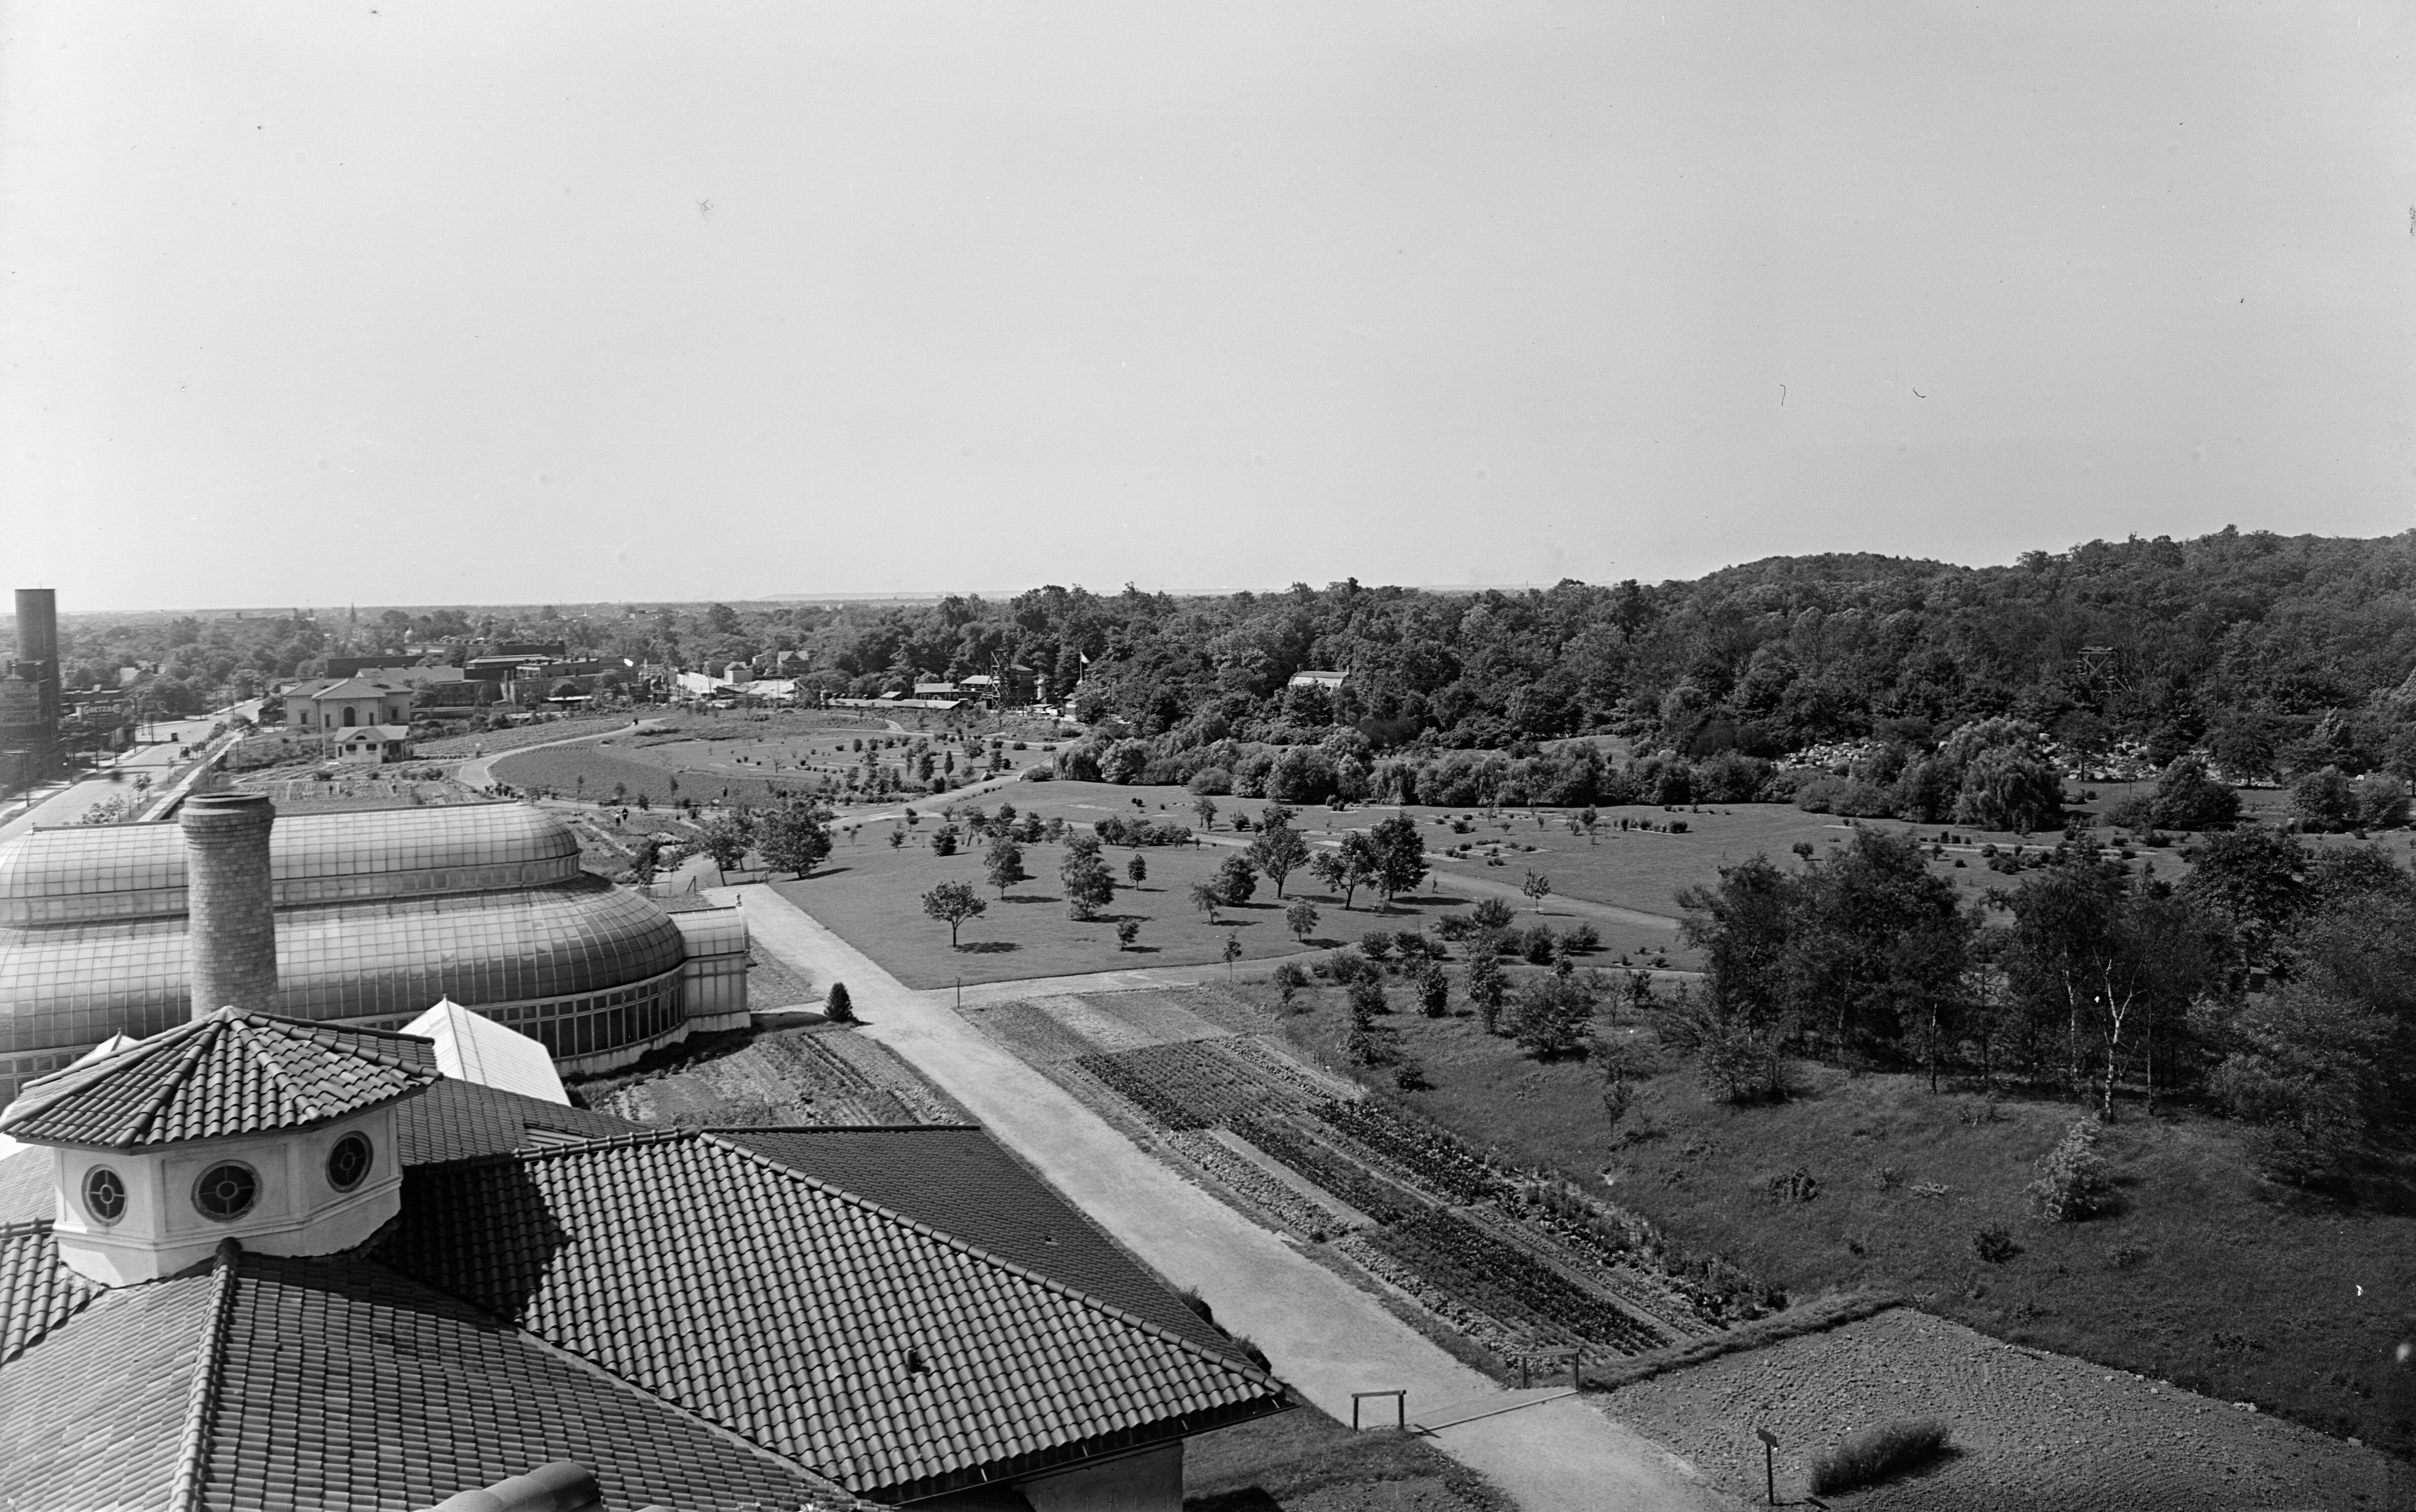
[{"x": 1326, "y": 1338}]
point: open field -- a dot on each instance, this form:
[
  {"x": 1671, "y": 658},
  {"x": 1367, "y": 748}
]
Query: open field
[
  {"x": 1305, "y": 1461},
  {"x": 2029, "y": 1429},
  {"x": 490, "y": 742},
  {"x": 870, "y": 894},
  {"x": 2206, "y": 1275}
]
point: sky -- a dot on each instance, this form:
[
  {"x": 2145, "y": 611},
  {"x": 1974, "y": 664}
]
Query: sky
[{"x": 517, "y": 301}]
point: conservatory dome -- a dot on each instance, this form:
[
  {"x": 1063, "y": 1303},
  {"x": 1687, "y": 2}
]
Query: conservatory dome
[{"x": 379, "y": 915}]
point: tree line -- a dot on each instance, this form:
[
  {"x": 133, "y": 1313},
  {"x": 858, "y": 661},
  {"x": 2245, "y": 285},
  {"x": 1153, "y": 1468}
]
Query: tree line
[{"x": 2276, "y": 982}]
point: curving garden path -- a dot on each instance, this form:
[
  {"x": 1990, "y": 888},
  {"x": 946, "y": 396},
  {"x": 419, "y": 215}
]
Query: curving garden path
[{"x": 1326, "y": 1338}]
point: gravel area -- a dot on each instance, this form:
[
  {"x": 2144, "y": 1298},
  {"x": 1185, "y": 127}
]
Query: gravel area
[{"x": 2029, "y": 1429}]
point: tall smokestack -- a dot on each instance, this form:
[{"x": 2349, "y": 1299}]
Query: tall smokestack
[
  {"x": 230, "y": 934},
  {"x": 37, "y": 639}
]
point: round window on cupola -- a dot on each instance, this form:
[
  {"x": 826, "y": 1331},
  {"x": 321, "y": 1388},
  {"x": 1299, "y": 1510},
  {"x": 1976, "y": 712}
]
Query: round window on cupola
[
  {"x": 348, "y": 1163},
  {"x": 227, "y": 1190},
  {"x": 104, "y": 1194}
]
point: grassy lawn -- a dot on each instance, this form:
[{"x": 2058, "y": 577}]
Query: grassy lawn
[
  {"x": 871, "y": 895},
  {"x": 2206, "y": 1275},
  {"x": 1305, "y": 1461}
]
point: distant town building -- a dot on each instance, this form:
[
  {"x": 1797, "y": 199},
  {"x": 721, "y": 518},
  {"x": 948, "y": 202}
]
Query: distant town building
[
  {"x": 1330, "y": 681},
  {"x": 372, "y": 744},
  {"x": 344, "y": 702}
]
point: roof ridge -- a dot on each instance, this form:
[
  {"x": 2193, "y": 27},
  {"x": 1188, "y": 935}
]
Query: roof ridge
[
  {"x": 196, "y": 1046},
  {"x": 35, "y": 1099},
  {"x": 21, "y": 1228},
  {"x": 1092, "y": 1299},
  {"x": 202, "y": 1399},
  {"x": 837, "y": 1128},
  {"x": 256, "y": 1040}
]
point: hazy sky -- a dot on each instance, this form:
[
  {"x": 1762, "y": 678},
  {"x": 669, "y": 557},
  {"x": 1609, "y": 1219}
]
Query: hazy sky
[{"x": 580, "y": 300}]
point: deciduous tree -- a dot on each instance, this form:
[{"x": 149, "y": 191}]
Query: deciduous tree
[{"x": 952, "y": 903}]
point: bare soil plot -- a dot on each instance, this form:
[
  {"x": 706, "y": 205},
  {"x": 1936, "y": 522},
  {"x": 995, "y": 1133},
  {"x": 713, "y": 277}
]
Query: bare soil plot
[
  {"x": 822, "y": 1075},
  {"x": 2205, "y": 1274},
  {"x": 2029, "y": 1429}
]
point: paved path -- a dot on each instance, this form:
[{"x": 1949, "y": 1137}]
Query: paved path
[
  {"x": 64, "y": 803},
  {"x": 1327, "y": 1339}
]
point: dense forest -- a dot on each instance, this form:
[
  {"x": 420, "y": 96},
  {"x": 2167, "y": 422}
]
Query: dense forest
[{"x": 2272, "y": 655}]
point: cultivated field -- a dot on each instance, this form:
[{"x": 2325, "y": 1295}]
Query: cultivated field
[
  {"x": 1516, "y": 1268},
  {"x": 2206, "y": 1275},
  {"x": 819, "y": 1075},
  {"x": 2029, "y": 1429}
]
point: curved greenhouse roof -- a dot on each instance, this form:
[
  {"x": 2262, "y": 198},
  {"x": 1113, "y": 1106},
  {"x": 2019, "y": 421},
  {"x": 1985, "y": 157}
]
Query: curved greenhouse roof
[
  {"x": 75, "y": 983},
  {"x": 83, "y": 873}
]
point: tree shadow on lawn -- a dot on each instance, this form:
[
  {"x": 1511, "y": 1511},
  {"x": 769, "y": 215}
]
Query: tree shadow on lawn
[
  {"x": 1030, "y": 897},
  {"x": 988, "y": 947},
  {"x": 1136, "y": 950}
]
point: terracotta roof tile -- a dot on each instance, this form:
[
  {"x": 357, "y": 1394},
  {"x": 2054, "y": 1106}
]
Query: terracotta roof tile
[
  {"x": 963, "y": 1182},
  {"x": 94, "y": 1415},
  {"x": 36, "y": 1292},
  {"x": 229, "y": 1073},
  {"x": 848, "y": 1336},
  {"x": 342, "y": 1384},
  {"x": 457, "y": 1120}
]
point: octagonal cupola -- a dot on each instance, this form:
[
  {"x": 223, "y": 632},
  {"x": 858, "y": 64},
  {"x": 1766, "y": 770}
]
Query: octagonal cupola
[{"x": 272, "y": 1132}]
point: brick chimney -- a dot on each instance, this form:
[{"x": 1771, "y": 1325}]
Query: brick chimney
[{"x": 231, "y": 932}]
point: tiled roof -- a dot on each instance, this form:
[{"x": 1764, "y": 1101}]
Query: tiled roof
[
  {"x": 462, "y": 1120},
  {"x": 94, "y": 1415},
  {"x": 36, "y": 1292},
  {"x": 890, "y": 1358},
  {"x": 344, "y": 1385},
  {"x": 231, "y": 1072},
  {"x": 28, "y": 1186},
  {"x": 960, "y": 1181}
]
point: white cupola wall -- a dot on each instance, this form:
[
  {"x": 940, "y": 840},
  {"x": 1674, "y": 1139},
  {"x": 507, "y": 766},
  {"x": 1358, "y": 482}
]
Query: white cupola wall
[
  {"x": 129, "y": 1216},
  {"x": 274, "y": 1132}
]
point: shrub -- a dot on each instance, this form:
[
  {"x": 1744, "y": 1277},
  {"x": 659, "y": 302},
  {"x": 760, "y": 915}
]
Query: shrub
[
  {"x": 1538, "y": 944},
  {"x": 1492, "y": 913},
  {"x": 837, "y": 1008},
  {"x": 1289, "y": 979},
  {"x": 1210, "y": 781},
  {"x": 1367, "y": 998},
  {"x": 2125, "y": 1257},
  {"x": 1994, "y": 1243},
  {"x": 1583, "y": 939},
  {"x": 1797, "y": 1186},
  {"x": 1455, "y": 927},
  {"x": 1434, "y": 991},
  {"x": 1376, "y": 944},
  {"x": 1873, "y": 1455},
  {"x": 2073, "y": 1183},
  {"x": 1410, "y": 1076}
]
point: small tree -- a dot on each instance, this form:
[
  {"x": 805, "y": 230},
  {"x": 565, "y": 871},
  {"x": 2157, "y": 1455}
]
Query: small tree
[
  {"x": 1486, "y": 988},
  {"x": 1236, "y": 880},
  {"x": 1553, "y": 1016},
  {"x": 1434, "y": 991},
  {"x": 796, "y": 838},
  {"x": 952, "y": 903},
  {"x": 1289, "y": 979},
  {"x": 1233, "y": 953},
  {"x": 1003, "y": 864},
  {"x": 2072, "y": 1182},
  {"x": 1136, "y": 869},
  {"x": 1089, "y": 884},
  {"x": 725, "y": 839},
  {"x": 836, "y": 1006},
  {"x": 1278, "y": 851},
  {"x": 1538, "y": 887},
  {"x": 1205, "y": 808},
  {"x": 1127, "y": 930},
  {"x": 1206, "y": 898},
  {"x": 1301, "y": 917}
]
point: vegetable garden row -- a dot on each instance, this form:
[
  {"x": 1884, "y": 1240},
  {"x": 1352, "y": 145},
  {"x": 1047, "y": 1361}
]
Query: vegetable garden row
[{"x": 1470, "y": 1240}]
